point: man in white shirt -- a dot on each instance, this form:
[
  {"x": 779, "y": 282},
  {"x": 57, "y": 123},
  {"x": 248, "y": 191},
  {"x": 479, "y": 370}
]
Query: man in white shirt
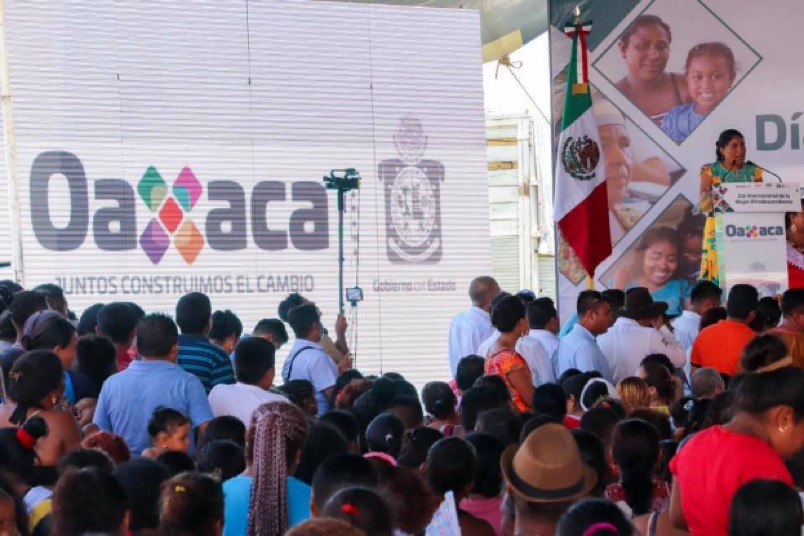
[
  {"x": 544, "y": 323},
  {"x": 307, "y": 359},
  {"x": 704, "y": 296},
  {"x": 578, "y": 349},
  {"x": 640, "y": 330},
  {"x": 254, "y": 370},
  {"x": 470, "y": 328}
]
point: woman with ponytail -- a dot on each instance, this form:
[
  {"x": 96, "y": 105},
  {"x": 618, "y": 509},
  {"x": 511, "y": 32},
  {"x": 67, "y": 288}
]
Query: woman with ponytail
[
  {"x": 363, "y": 508},
  {"x": 266, "y": 500},
  {"x": 594, "y": 517},
  {"x": 36, "y": 387},
  {"x": 441, "y": 403},
  {"x": 17, "y": 464},
  {"x": 635, "y": 450}
]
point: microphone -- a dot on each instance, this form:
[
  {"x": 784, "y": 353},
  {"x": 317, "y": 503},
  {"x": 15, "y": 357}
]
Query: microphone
[{"x": 778, "y": 178}]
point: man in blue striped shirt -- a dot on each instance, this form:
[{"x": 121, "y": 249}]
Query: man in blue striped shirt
[{"x": 197, "y": 355}]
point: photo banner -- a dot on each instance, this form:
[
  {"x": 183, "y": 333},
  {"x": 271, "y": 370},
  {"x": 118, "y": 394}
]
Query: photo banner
[{"x": 668, "y": 77}]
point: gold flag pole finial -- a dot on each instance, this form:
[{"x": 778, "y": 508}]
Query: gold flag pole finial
[{"x": 577, "y": 13}]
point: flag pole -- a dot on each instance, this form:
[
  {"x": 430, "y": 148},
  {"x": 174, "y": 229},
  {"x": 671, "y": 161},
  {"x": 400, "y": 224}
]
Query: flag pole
[{"x": 590, "y": 282}]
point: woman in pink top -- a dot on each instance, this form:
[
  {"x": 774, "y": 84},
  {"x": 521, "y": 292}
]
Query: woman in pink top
[
  {"x": 709, "y": 469},
  {"x": 485, "y": 500}
]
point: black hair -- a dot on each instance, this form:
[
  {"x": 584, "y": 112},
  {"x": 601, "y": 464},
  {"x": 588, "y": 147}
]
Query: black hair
[
  {"x": 712, "y": 317},
  {"x": 346, "y": 422},
  {"x": 601, "y": 422},
  {"x": 88, "y": 322},
  {"x": 586, "y": 300},
  {"x": 761, "y": 351},
  {"x": 763, "y": 507},
  {"x": 142, "y": 479},
  {"x": 645, "y": 20},
  {"x": 253, "y": 358},
  {"x": 223, "y": 458},
  {"x": 117, "y": 320},
  {"x": 16, "y": 457},
  {"x": 451, "y": 466},
  {"x": 224, "y": 427},
  {"x": 680, "y": 410},
  {"x": 535, "y": 422},
  {"x": 302, "y": 320},
  {"x": 692, "y": 225},
  {"x": 298, "y": 391},
  {"x": 408, "y": 409},
  {"x": 540, "y": 312},
  {"x": 344, "y": 378},
  {"x": 792, "y": 301},
  {"x": 156, "y": 336},
  {"x": 501, "y": 423},
  {"x": 177, "y": 462},
  {"x": 362, "y": 508},
  {"x": 273, "y": 327},
  {"x": 292, "y": 301},
  {"x": 7, "y": 330},
  {"x": 496, "y": 383},
  {"x": 20, "y": 513},
  {"x": 635, "y": 450},
  {"x": 193, "y": 312},
  {"x": 33, "y": 377},
  {"x": 487, "y": 479},
  {"x": 550, "y": 399},
  {"x": 723, "y": 140},
  {"x": 385, "y": 433},
  {"x": 54, "y": 295},
  {"x": 593, "y": 392},
  {"x": 165, "y": 420},
  {"x": 96, "y": 357},
  {"x": 323, "y": 441},
  {"x": 191, "y": 503},
  {"x": 506, "y": 313},
  {"x": 593, "y": 454},
  {"x": 415, "y": 446},
  {"x": 24, "y": 304},
  {"x": 659, "y": 377},
  {"x": 341, "y": 471},
  {"x": 705, "y": 290},
  {"x": 781, "y": 387},
  {"x": 48, "y": 332},
  {"x": 721, "y": 410},
  {"x": 224, "y": 325},
  {"x": 470, "y": 368},
  {"x": 566, "y": 376},
  {"x": 742, "y": 301},
  {"x": 478, "y": 399},
  {"x": 7, "y": 290},
  {"x": 83, "y": 457},
  {"x": 615, "y": 297},
  {"x": 439, "y": 400},
  {"x": 768, "y": 314},
  {"x": 585, "y": 513},
  {"x": 88, "y": 500}
]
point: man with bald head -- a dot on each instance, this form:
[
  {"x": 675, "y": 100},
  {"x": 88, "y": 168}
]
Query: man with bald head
[{"x": 470, "y": 328}]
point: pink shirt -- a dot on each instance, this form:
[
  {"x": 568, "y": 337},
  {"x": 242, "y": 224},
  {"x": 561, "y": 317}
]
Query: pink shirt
[
  {"x": 489, "y": 510},
  {"x": 711, "y": 467}
]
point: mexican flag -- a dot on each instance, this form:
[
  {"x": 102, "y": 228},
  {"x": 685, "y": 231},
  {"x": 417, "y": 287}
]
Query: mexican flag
[{"x": 581, "y": 204}]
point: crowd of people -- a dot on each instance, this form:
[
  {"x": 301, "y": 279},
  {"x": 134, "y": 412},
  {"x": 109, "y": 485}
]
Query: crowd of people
[{"x": 123, "y": 422}]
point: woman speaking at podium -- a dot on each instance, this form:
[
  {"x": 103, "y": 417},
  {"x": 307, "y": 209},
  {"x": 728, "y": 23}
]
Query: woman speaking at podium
[{"x": 730, "y": 166}]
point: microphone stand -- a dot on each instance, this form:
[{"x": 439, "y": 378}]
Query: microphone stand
[{"x": 778, "y": 178}]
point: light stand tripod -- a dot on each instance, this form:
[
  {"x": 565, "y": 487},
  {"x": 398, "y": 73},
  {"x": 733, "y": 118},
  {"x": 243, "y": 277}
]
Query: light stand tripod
[{"x": 342, "y": 181}]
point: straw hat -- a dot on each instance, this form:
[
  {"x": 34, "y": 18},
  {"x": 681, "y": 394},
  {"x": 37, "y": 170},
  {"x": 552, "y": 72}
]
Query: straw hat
[{"x": 547, "y": 467}]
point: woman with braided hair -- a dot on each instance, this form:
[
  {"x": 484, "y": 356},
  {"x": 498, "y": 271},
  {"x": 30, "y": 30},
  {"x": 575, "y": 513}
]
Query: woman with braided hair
[{"x": 266, "y": 500}]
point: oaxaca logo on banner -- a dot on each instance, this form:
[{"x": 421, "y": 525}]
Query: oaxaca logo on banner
[{"x": 173, "y": 214}]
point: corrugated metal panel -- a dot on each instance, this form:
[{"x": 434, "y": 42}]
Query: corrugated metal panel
[
  {"x": 505, "y": 263},
  {"x": 280, "y": 94}
]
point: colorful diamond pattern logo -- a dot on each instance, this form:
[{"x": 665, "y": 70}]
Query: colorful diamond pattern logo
[{"x": 171, "y": 210}]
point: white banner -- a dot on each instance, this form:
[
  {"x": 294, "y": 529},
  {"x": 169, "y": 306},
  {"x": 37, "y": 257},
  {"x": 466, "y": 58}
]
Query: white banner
[
  {"x": 757, "y": 197},
  {"x": 754, "y": 247}
]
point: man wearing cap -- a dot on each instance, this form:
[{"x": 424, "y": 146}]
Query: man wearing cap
[
  {"x": 543, "y": 477},
  {"x": 640, "y": 330}
]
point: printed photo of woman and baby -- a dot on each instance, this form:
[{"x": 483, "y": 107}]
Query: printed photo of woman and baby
[{"x": 672, "y": 71}]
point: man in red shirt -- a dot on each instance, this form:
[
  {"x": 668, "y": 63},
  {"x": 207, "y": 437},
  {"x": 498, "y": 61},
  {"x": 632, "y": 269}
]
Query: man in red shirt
[{"x": 719, "y": 346}]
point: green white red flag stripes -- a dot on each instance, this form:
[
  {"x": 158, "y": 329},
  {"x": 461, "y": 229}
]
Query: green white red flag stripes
[{"x": 581, "y": 203}]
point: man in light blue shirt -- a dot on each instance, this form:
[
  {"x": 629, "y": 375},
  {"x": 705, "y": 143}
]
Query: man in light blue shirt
[
  {"x": 307, "y": 359},
  {"x": 579, "y": 349},
  {"x": 128, "y": 398}
]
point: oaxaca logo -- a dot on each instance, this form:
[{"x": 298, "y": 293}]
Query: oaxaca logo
[
  {"x": 171, "y": 215},
  {"x": 194, "y": 216},
  {"x": 752, "y": 232}
]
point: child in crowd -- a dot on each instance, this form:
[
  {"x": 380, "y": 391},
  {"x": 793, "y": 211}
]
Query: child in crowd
[
  {"x": 441, "y": 404},
  {"x": 763, "y": 507},
  {"x": 169, "y": 430},
  {"x": 363, "y": 508},
  {"x": 710, "y": 71},
  {"x": 192, "y": 503}
]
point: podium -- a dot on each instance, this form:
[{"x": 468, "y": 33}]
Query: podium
[{"x": 751, "y": 233}]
